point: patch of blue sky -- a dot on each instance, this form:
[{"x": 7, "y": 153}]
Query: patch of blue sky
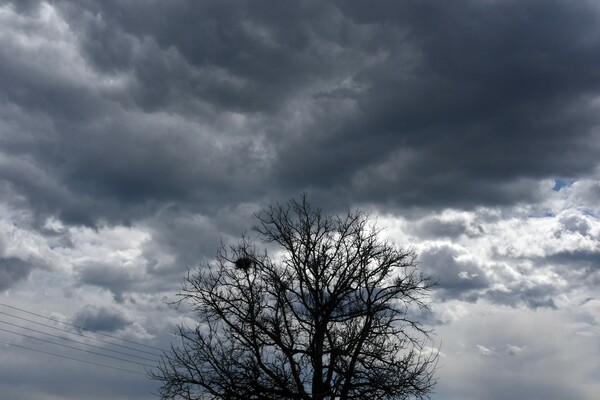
[{"x": 560, "y": 183}]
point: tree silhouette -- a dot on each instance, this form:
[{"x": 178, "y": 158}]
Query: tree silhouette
[{"x": 329, "y": 315}]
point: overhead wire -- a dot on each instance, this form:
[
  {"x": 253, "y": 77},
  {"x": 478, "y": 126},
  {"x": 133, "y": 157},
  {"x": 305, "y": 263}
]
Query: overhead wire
[
  {"x": 80, "y": 327},
  {"x": 77, "y": 341},
  {"x": 79, "y": 334},
  {"x": 76, "y": 348},
  {"x": 72, "y": 358},
  {"x": 105, "y": 348}
]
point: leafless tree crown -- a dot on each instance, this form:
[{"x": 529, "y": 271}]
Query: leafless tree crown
[{"x": 328, "y": 317}]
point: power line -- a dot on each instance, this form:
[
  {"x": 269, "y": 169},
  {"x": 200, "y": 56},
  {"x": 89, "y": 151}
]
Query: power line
[
  {"x": 72, "y": 358},
  {"x": 77, "y": 333},
  {"x": 77, "y": 341},
  {"x": 76, "y": 348},
  {"x": 80, "y": 327}
]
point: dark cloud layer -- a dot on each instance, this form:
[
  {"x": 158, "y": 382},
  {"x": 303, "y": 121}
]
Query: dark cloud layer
[
  {"x": 426, "y": 104},
  {"x": 169, "y": 115}
]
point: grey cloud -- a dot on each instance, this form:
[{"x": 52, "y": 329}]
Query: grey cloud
[
  {"x": 100, "y": 319},
  {"x": 13, "y": 270},
  {"x": 48, "y": 378},
  {"x": 439, "y": 228},
  {"x": 115, "y": 279},
  {"x": 181, "y": 118},
  {"x": 436, "y": 227},
  {"x": 180, "y": 239},
  {"x": 191, "y": 239},
  {"x": 575, "y": 223},
  {"x": 521, "y": 293},
  {"x": 529, "y": 354},
  {"x": 464, "y": 279},
  {"x": 512, "y": 386},
  {"x": 23, "y": 6},
  {"x": 456, "y": 279},
  {"x": 124, "y": 170},
  {"x": 254, "y": 56},
  {"x": 586, "y": 260},
  {"x": 43, "y": 194},
  {"x": 483, "y": 105},
  {"x": 420, "y": 111},
  {"x": 586, "y": 192},
  {"x": 51, "y": 90}
]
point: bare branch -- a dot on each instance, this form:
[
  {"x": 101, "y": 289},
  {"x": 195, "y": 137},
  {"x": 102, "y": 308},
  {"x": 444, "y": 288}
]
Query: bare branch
[{"x": 329, "y": 319}]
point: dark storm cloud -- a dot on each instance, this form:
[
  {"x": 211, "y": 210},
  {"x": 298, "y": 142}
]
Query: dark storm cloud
[
  {"x": 169, "y": 115},
  {"x": 44, "y": 194},
  {"x": 100, "y": 319},
  {"x": 237, "y": 56},
  {"x": 430, "y": 104},
  {"x": 497, "y": 92},
  {"x": 84, "y": 152}
]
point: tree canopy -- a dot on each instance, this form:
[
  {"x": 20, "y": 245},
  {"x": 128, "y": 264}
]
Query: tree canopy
[{"x": 330, "y": 314}]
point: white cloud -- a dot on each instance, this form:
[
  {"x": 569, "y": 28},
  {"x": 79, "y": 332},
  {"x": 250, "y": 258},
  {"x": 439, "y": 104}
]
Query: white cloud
[{"x": 485, "y": 351}]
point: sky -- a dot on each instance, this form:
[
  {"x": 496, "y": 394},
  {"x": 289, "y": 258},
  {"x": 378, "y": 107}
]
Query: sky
[{"x": 137, "y": 136}]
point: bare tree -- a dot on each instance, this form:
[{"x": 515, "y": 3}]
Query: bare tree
[{"x": 327, "y": 317}]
